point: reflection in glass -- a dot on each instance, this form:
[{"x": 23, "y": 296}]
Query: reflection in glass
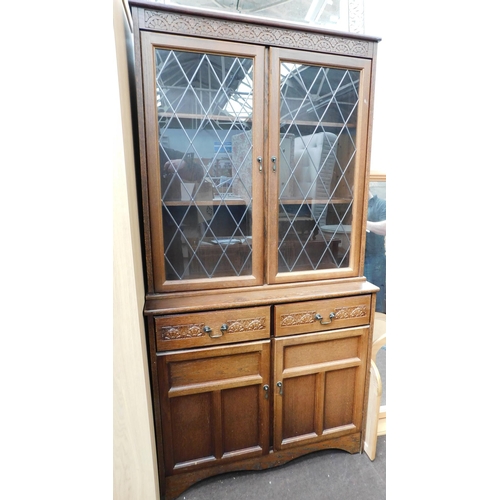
[
  {"x": 375, "y": 251},
  {"x": 204, "y": 110},
  {"x": 318, "y": 112},
  {"x": 329, "y": 13}
]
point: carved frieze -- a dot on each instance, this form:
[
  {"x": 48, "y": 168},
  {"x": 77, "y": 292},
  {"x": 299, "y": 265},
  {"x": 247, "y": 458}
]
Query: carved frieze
[
  {"x": 171, "y": 332},
  {"x": 245, "y": 325},
  {"x": 294, "y": 319},
  {"x": 172, "y": 22},
  {"x": 350, "y": 312},
  {"x": 192, "y": 330},
  {"x": 307, "y": 317}
]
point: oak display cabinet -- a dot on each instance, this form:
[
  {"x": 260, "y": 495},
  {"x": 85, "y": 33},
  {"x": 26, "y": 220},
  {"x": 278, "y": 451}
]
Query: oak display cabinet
[{"x": 254, "y": 139}]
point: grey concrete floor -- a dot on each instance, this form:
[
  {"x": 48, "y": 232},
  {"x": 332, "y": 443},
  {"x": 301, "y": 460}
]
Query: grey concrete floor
[{"x": 323, "y": 475}]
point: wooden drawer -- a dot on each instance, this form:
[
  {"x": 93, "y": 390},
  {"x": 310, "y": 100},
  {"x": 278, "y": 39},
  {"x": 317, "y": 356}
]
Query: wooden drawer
[
  {"x": 179, "y": 331},
  {"x": 321, "y": 315}
]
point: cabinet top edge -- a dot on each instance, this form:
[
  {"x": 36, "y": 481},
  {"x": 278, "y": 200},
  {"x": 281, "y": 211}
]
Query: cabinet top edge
[
  {"x": 242, "y": 18},
  {"x": 263, "y": 295}
]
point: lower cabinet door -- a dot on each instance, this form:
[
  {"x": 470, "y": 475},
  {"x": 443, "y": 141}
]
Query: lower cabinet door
[
  {"x": 214, "y": 405},
  {"x": 319, "y": 384}
]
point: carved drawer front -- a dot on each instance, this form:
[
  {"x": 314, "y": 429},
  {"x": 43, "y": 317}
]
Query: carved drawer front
[
  {"x": 322, "y": 315},
  {"x": 179, "y": 331}
]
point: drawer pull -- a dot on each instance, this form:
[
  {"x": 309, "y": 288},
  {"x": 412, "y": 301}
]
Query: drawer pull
[
  {"x": 320, "y": 318},
  {"x": 208, "y": 330},
  {"x": 266, "y": 391},
  {"x": 280, "y": 385}
]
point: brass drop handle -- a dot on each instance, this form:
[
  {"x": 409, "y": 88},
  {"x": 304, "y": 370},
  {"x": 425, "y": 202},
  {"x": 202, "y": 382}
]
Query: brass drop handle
[
  {"x": 208, "y": 330},
  {"x": 320, "y": 318},
  {"x": 280, "y": 385},
  {"x": 259, "y": 160},
  {"x": 273, "y": 160},
  {"x": 266, "y": 391}
]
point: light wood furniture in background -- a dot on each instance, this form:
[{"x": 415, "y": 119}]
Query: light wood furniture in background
[
  {"x": 376, "y": 413},
  {"x": 135, "y": 467},
  {"x": 259, "y": 331}
]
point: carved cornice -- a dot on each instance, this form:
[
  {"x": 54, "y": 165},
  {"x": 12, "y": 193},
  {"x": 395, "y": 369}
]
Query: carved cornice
[{"x": 171, "y": 22}]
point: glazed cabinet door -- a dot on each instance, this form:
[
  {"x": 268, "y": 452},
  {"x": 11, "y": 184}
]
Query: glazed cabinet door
[
  {"x": 214, "y": 405},
  {"x": 319, "y": 381},
  {"x": 203, "y": 106},
  {"x": 318, "y": 123}
]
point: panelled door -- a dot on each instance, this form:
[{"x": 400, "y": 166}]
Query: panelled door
[
  {"x": 319, "y": 386},
  {"x": 214, "y": 405},
  {"x": 318, "y": 119},
  {"x": 204, "y": 103}
]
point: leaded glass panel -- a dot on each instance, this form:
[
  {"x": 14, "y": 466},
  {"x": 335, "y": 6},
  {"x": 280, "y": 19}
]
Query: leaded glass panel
[
  {"x": 204, "y": 112},
  {"x": 318, "y": 120}
]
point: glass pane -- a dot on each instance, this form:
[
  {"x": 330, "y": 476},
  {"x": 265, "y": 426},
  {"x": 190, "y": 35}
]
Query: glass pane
[
  {"x": 318, "y": 112},
  {"x": 204, "y": 109},
  {"x": 333, "y": 14}
]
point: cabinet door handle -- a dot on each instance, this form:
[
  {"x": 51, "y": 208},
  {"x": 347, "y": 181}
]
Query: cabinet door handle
[
  {"x": 280, "y": 385},
  {"x": 210, "y": 332},
  {"x": 259, "y": 160},
  {"x": 266, "y": 391},
  {"x": 273, "y": 160},
  {"x": 320, "y": 318}
]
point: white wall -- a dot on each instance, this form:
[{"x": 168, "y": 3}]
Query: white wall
[{"x": 436, "y": 134}]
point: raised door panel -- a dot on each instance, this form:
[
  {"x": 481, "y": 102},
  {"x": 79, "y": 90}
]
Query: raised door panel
[
  {"x": 319, "y": 387},
  {"x": 318, "y": 121},
  {"x": 214, "y": 405},
  {"x": 203, "y": 104}
]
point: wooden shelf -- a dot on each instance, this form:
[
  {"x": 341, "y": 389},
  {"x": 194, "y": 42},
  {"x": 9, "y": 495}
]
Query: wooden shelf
[
  {"x": 229, "y": 119},
  {"x": 240, "y": 201},
  {"x": 314, "y": 201},
  {"x": 195, "y": 116},
  {"x": 204, "y": 203},
  {"x": 315, "y": 124}
]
